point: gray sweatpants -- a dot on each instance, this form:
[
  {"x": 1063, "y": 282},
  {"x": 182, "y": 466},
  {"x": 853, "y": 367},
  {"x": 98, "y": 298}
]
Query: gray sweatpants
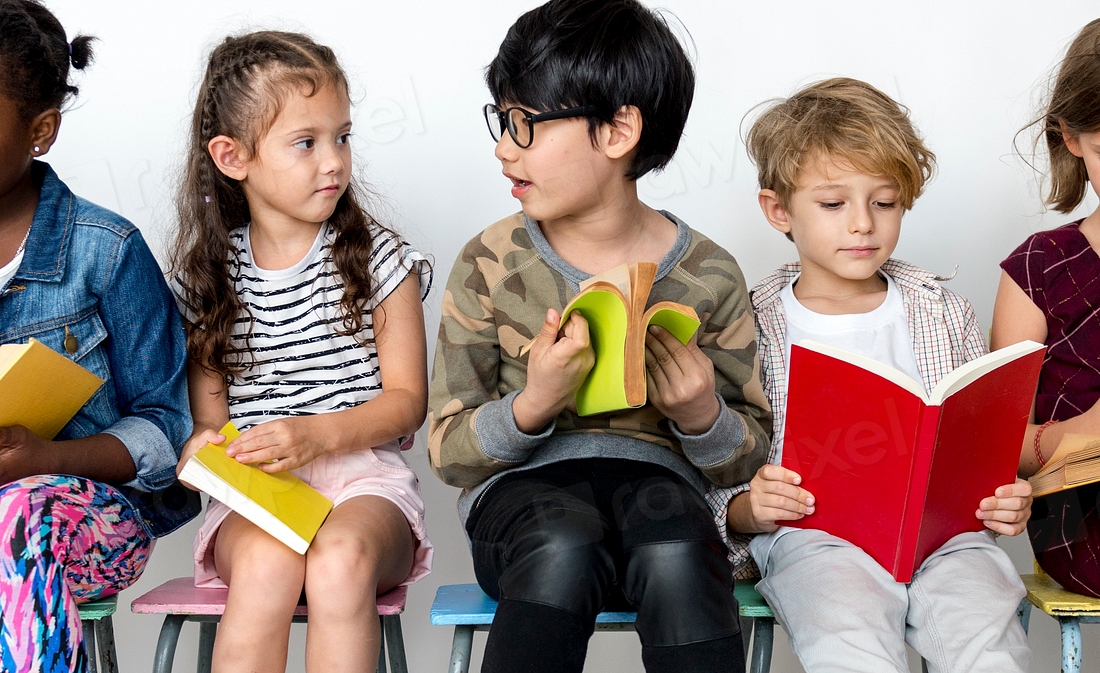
[{"x": 844, "y": 612}]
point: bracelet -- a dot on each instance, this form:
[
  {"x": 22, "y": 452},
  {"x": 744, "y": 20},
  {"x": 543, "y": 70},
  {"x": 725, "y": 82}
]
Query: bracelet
[{"x": 1038, "y": 436}]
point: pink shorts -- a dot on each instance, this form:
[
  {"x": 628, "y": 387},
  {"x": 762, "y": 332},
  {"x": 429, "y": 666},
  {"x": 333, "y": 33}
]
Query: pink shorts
[{"x": 381, "y": 471}]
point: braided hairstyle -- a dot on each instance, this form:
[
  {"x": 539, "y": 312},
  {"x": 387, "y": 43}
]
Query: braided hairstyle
[
  {"x": 248, "y": 78},
  {"x": 35, "y": 57}
]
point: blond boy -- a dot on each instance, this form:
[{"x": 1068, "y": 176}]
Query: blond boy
[{"x": 839, "y": 163}]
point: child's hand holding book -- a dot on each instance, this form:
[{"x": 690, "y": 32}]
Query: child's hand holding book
[
  {"x": 775, "y": 497},
  {"x": 559, "y": 361},
  {"x": 680, "y": 381}
]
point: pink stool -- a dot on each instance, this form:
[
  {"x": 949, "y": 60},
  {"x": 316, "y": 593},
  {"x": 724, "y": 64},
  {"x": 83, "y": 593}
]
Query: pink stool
[{"x": 180, "y": 601}]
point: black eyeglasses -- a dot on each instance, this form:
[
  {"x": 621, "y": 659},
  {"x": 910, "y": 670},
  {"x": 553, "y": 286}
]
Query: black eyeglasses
[{"x": 521, "y": 123}]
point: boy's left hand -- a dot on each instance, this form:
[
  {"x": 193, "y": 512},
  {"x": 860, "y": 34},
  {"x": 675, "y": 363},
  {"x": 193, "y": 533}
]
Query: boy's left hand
[
  {"x": 1008, "y": 510},
  {"x": 680, "y": 381}
]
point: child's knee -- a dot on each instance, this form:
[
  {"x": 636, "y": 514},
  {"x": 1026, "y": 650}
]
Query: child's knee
[{"x": 337, "y": 564}]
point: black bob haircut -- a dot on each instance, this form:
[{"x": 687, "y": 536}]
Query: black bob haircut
[{"x": 604, "y": 53}]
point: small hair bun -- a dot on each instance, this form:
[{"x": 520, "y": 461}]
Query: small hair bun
[{"x": 80, "y": 51}]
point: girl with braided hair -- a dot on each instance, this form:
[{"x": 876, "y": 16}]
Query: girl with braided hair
[
  {"x": 78, "y": 514},
  {"x": 306, "y": 330}
]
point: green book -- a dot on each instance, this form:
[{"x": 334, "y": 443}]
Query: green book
[{"x": 614, "y": 304}]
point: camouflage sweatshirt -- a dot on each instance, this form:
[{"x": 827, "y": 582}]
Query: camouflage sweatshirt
[{"x": 495, "y": 302}]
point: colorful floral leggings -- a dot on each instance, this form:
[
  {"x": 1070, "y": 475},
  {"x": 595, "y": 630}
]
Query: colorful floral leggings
[{"x": 63, "y": 540}]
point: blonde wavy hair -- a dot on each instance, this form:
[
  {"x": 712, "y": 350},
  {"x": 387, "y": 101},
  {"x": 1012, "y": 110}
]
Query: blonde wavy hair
[{"x": 850, "y": 122}]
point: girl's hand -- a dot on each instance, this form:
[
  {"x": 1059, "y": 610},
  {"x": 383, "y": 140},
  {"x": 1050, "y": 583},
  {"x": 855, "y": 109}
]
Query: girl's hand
[
  {"x": 22, "y": 454},
  {"x": 198, "y": 439},
  {"x": 556, "y": 367},
  {"x": 775, "y": 495},
  {"x": 1008, "y": 510},
  {"x": 280, "y": 445},
  {"x": 680, "y": 381}
]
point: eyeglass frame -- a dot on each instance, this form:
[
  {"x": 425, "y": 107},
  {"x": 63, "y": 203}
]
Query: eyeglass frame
[{"x": 504, "y": 118}]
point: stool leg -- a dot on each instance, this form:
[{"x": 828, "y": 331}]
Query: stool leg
[
  {"x": 166, "y": 643},
  {"x": 746, "y": 632},
  {"x": 1023, "y": 613},
  {"x": 395, "y": 643},
  {"x": 88, "y": 630},
  {"x": 381, "y": 644},
  {"x": 208, "y": 631},
  {"x": 762, "y": 645},
  {"x": 1071, "y": 644},
  {"x": 461, "y": 648},
  {"x": 105, "y": 642}
]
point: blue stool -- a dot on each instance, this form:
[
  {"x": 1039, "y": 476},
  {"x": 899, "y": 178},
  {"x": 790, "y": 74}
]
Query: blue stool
[
  {"x": 468, "y": 609},
  {"x": 99, "y": 633}
]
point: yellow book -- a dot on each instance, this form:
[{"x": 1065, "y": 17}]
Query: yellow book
[
  {"x": 1075, "y": 462},
  {"x": 40, "y": 388},
  {"x": 614, "y": 304},
  {"x": 289, "y": 509}
]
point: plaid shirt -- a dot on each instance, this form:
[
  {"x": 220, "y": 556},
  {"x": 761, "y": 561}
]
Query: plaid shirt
[{"x": 942, "y": 327}]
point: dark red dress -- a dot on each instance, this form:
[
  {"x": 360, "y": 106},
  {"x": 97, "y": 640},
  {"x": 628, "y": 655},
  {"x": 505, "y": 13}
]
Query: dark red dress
[{"x": 1060, "y": 272}]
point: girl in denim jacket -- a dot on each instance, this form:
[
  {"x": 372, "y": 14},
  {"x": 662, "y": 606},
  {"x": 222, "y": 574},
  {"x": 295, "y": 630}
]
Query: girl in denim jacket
[{"x": 78, "y": 515}]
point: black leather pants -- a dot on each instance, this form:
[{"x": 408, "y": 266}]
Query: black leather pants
[{"x": 558, "y": 544}]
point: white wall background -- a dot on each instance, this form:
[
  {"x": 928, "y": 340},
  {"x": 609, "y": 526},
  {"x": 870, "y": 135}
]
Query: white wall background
[{"x": 970, "y": 71}]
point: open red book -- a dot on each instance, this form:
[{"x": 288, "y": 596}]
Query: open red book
[{"x": 893, "y": 470}]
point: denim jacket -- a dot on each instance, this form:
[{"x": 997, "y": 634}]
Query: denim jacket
[{"x": 87, "y": 272}]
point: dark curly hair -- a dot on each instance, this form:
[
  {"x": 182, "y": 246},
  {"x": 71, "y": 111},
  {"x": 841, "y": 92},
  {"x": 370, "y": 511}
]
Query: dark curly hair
[
  {"x": 36, "y": 56},
  {"x": 248, "y": 78}
]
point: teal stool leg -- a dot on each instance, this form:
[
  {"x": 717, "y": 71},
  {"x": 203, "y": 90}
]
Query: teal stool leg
[
  {"x": 764, "y": 632},
  {"x": 208, "y": 631},
  {"x": 1023, "y": 613},
  {"x": 105, "y": 643},
  {"x": 381, "y": 645},
  {"x": 166, "y": 643},
  {"x": 461, "y": 648},
  {"x": 88, "y": 630},
  {"x": 1071, "y": 644},
  {"x": 395, "y": 643}
]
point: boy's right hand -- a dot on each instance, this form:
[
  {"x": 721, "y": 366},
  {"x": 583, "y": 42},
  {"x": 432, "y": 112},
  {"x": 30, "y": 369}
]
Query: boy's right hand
[
  {"x": 775, "y": 496},
  {"x": 556, "y": 367},
  {"x": 199, "y": 438}
]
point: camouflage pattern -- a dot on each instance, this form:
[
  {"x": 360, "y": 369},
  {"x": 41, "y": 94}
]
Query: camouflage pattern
[{"x": 494, "y": 304}]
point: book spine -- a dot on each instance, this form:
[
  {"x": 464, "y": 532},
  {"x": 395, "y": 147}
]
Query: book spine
[{"x": 917, "y": 489}]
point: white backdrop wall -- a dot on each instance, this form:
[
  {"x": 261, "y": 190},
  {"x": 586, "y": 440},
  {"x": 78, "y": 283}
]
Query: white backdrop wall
[{"x": 972, "y": 73}]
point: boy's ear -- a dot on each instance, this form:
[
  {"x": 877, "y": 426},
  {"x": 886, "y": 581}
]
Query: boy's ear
[
  {"x": 1073, "y": 143},
  {"x": 44, "y": 129},
  {"x": 773, "y": 209},
  {"x": 624, "y": 132},
  {"x": 227, "y": 155}
]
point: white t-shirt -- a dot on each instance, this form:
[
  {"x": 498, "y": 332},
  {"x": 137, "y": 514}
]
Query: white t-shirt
[
  {"x": 302, "y": 366},
  {"x": 881, "y": 334},
  {"x": 7, "y": 272}
]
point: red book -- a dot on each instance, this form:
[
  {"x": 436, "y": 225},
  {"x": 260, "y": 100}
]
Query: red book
[{"x": 893, "y": 470}]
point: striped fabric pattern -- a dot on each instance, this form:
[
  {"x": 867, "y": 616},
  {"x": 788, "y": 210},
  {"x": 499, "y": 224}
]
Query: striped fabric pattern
[
  {"x": 301, "y": 365},
  {"x": 942, "y": 328}
]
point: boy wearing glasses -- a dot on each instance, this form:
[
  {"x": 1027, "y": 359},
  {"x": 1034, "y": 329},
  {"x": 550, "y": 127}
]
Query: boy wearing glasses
[{"x": 570, "y": 515}]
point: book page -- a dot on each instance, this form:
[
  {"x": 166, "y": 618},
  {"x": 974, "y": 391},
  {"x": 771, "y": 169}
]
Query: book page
[{"x": 975, "y": 369}]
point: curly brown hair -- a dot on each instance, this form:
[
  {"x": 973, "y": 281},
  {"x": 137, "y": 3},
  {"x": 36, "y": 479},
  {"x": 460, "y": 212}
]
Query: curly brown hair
[
  {"x": 248, "y": 78},
  {"x": 847, "y": 120},
  {"x": 1075, "y": 105}
]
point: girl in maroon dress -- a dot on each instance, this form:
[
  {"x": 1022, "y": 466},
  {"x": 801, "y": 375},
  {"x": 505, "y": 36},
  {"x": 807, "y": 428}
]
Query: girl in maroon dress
[{"x": 1050, "y": 292}]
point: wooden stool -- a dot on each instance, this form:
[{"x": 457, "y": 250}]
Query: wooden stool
[
  {"x": 468, "y": 609},
  {"x": 180, "y": 601},
  {"x": 99, "y": 633},
  {"x": 1070, "y": 609}
]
